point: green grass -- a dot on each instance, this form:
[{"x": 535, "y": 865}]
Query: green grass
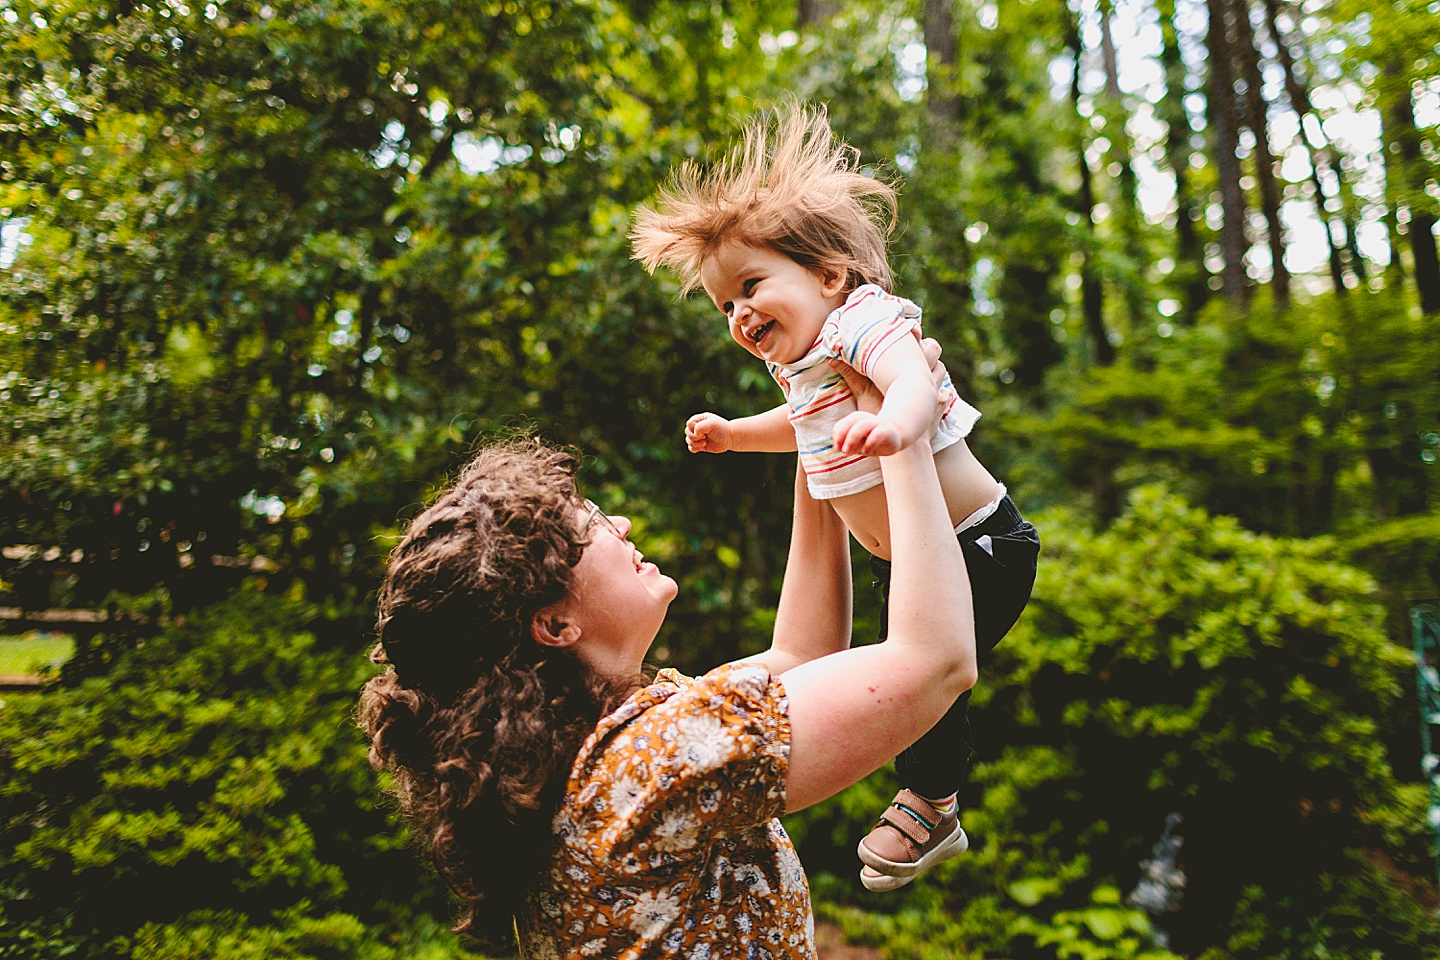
[{"x": 28, "y": 654}]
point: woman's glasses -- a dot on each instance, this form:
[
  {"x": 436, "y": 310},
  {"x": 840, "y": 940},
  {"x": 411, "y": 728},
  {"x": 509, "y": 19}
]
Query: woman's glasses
[{"x": 593, "y": 513}]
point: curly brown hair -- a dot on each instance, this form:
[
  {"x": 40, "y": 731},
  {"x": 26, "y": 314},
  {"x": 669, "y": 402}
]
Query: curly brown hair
[{"x": 477, "y": 723}]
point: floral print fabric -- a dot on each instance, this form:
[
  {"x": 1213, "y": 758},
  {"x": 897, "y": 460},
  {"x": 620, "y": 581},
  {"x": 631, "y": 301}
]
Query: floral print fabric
[{"x": 667, "y": 842}]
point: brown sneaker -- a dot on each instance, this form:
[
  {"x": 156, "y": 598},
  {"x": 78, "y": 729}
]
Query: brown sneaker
[{"x": 910, "y": 838}]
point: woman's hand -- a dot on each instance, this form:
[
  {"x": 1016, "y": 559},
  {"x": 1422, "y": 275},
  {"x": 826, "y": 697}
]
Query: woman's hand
[{"x": 868, "y": 397}]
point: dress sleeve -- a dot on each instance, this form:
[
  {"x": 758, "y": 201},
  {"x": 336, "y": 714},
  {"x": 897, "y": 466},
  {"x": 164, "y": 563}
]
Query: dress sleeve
[
  {"x": 869, "y": 323},
  {"x": 710, "y": 760}
]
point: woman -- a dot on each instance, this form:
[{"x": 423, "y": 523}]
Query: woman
[{"x": 610, "y": 816}]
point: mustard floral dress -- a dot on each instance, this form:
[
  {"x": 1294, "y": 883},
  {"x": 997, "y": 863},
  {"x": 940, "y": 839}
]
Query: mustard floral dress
[{"x": 667, "y": 839}]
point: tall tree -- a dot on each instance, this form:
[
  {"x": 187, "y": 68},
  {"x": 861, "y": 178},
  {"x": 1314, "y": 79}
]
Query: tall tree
[
  {"x": 1092, "y": 290},
  {"x": 1257, "y": 118},
  {"x": 1121, "y": 155},
  {"x": 1006, "y": 112},
  {"x": 1190, "y": 268},
  {"x": 943, "y": 104},
  {"x": 1312, "y": 136},
  {"x": 1224, "y": 139},
  {"x": 1404, "y": 138},
  {"x": 811, "y": 13},
  {"x": 1392, "y": 71}
]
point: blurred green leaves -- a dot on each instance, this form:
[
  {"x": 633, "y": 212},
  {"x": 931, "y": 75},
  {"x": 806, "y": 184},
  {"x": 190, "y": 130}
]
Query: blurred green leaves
[
  {"x": 216, "y": 764},
  {"x": 285, "y": 263},
  {"x": 1172, "y": 662}
]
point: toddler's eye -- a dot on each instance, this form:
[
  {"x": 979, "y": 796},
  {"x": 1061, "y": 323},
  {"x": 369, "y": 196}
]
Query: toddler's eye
[
  {"x": 749, "y": 285},
  {"x": 726, "y": 307}
]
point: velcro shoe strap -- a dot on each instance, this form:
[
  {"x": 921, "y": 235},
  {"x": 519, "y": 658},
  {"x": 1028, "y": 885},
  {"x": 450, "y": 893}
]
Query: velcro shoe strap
[
  {"x": 918, "y": 805},
  {"x": 910, "y": 827}
]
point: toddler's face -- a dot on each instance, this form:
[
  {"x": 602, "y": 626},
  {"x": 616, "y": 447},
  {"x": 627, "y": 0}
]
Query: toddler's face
[{"x": 775, "y": 306}]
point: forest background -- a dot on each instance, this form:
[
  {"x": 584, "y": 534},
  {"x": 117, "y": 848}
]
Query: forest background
[{"x": 269, "y": 271}]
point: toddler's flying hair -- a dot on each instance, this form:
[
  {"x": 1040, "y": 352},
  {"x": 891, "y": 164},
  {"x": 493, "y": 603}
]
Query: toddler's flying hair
[{"x": 790, "y": 185}]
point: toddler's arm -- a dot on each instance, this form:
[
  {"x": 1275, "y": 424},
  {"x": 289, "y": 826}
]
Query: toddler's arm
[
  {"x": 768, "y": 432},
  {"x": 903, "y": 375}
]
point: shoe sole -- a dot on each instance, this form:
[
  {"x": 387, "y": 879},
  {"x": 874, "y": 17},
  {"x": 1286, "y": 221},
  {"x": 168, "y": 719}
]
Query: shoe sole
[
  {"x": 892, "y": 876},
  {"x": 880, "y": 882}
]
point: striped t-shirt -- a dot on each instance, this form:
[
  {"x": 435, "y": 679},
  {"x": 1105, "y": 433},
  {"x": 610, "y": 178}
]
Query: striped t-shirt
[{"x": 858, "y": 332}]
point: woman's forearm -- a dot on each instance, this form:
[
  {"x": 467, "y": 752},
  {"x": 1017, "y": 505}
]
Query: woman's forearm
[
  {"x": 813, "y": 619},
  {"x": 930, "y": 602},
  {"x": 853, "y": 711}
]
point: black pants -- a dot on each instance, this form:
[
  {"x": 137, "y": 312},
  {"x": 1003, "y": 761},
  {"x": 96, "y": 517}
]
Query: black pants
[{"x": 1000, "y": 554}]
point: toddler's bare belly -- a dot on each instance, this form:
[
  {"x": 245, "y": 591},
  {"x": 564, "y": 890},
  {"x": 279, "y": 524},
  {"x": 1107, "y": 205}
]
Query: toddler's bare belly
[{"x": 966, "y": 483}]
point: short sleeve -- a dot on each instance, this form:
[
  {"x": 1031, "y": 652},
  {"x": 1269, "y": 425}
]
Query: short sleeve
[
  {"x": 709, "y": 760},
  {"x": 869, "y": 323}
]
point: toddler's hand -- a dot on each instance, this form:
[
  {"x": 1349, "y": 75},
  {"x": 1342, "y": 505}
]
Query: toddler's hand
[
  {"x": 865, "y": 433},
  {"x": 707, "y": 433}
]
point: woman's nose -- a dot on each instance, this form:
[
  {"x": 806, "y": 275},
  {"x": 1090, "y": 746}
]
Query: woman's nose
[{"x": 622, "y": 524}]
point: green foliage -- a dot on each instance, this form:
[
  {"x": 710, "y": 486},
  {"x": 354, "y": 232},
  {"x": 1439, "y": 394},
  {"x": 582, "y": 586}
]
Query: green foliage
[
  {"x": 1102, "y": 930},
  {"x": 1185, "y": 664},
  {"x": 282, "y": 265},
  {"x": 225, "y": 935},
  {"x": 1321, "y": 420},
  {"x": 217, "y": 763},
  {"x": 1296, "y": 423},
  {"x": 1172, "y": 662}
]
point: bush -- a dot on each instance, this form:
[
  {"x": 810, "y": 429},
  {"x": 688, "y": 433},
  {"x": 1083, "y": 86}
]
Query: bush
[
  {"x": 209, "y": 797},
  {"x": 1172, "y": 663}
]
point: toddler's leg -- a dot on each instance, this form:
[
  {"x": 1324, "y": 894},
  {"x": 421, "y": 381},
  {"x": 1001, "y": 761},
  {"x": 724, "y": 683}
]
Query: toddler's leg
[{"x": 1000, "y": 555}]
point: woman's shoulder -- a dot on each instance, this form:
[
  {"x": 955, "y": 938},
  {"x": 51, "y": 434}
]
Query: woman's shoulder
[
  {"x": 732, "y": 694},
  {"x": 686, "y": 767},
  {"x": 679, "y": 728},
  {"x": 750, "y": 678}
]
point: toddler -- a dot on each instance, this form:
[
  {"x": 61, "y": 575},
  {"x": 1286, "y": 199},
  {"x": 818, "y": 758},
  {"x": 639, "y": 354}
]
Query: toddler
[{"x": 787, "y": 237}]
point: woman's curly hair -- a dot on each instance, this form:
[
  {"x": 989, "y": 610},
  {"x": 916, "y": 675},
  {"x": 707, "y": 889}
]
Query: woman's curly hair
[
  {"x": 791, "y": 186},
  {"x": 477, "y": 723}
]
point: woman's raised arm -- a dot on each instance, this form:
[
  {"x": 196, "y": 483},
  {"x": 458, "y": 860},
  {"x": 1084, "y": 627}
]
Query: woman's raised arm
[
  {"x": 814, "y": 616},
  {"x": 851, "y": 712}
]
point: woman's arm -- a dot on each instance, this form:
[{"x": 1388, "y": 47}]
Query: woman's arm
[
  {"x": 813, "y": 619},
  {"x": 850, "y": 713}
]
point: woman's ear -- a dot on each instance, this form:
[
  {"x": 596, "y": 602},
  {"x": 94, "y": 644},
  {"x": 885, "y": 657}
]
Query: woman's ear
[{"x": 551, "y": 627}]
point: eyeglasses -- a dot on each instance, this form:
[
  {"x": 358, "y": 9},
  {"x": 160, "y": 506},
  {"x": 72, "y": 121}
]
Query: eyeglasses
[{"x": 594, "y": 513}]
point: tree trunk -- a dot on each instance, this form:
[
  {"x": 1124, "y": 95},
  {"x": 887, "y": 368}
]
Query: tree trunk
[
  {"x": 1257, "y": 118},
  {"x": 1395, "y": 269},
  {"x": 1405, "y": 176},
  {"x": 1025, "y": 286},
  {"x": 1107, "y": 51},
  {"x": 942, "y": 98},
  {"x": 1220, "y": 105},
  {"x": 1427, "y": 264},
  {"x": 1352, "y": 247},
  {"x": 1318, "y": 148},
  {"x": 1092, "y": 292},
  {"x": 1189, "y": 252},
  {"x": 1131, "y": 284},
  {"x": 951, "y": 297},
  {"x": 815, "y": 12}
]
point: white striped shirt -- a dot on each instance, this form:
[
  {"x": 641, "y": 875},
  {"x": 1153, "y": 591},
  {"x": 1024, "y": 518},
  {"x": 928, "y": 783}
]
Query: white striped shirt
[{"x": 858, "y": 332}]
